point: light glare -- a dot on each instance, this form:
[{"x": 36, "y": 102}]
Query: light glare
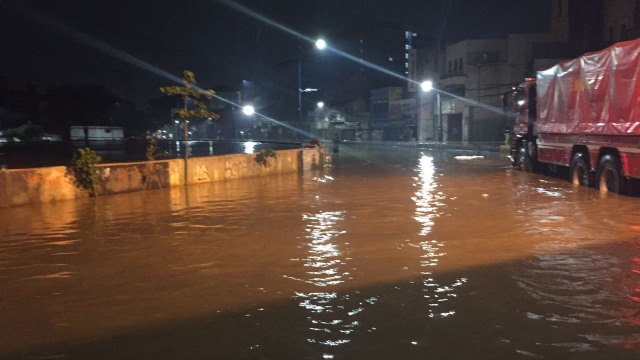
[
  {"x": 248, "y": 110},
  {"x": 426, "y": 85}
]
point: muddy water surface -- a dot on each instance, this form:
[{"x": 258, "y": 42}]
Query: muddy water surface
[{"x": 395, "y": 253}]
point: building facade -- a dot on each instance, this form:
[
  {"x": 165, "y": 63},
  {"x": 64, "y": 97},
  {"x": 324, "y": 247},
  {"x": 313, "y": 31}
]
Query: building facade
[
  {"x": 472, "y": 75},
  {"x": 383, "y": 123},
  {"x": 621, "y": 20}
]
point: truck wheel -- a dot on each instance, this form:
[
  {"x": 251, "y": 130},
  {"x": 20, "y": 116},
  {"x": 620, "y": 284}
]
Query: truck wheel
[
  {"x": 609, "y": 175},
  {"x": 524, "y": 162},
  {"x": 579, "y": 171}
]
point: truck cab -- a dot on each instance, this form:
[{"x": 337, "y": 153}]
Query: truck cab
[{"x": 519, "y": 105}]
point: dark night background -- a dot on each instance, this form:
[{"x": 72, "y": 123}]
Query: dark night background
[{"x": 223, "y": 46}]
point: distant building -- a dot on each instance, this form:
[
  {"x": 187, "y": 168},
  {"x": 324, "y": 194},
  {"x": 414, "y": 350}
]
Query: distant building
[
  {"x": 476, "y": 74},
  {"x": 231, "y": 121},
  {"x": 473, "y": 74},
  {"x": 578, "y": 23},
  {"x": 408, "y": 46},
  {"x": 383, "y": 124},
  {"x": 621, "y": 20},
  {"x": 346, "y": 121},
  {"x": 385, "y": 44},
  {"x": 96, "y": 133}
]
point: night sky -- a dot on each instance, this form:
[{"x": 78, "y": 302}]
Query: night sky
[{"x": 221, "y": 45}]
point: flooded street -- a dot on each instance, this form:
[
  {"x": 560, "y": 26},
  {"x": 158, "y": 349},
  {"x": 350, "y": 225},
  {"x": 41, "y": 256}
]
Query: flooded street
[{"x": 394, "y": 253}]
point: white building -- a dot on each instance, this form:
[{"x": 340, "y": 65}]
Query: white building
[{"x": 97, "y": 133}]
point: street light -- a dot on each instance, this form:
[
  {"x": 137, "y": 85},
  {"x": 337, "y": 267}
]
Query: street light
[
  {"x": 248, "y": 110},
  {"x": 321, "y": 44},
  {"x": 427, "y": 86}
]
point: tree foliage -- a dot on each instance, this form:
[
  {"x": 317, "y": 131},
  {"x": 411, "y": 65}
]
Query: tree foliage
[
  {"x": 263, "y": 156},
  {"x": 86, "y": 172},
  {"x": 26, "y": 132},
  {"x": 190, "y": 94}
]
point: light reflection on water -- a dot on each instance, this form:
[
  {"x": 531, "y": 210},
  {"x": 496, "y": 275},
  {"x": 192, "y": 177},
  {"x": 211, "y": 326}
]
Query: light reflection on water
[
  {"x": 331, "y": 318},
  {"x": 578, "y": 287},
  {"x": 428, "y": 207},
  {"x": 579, "y": 272}
]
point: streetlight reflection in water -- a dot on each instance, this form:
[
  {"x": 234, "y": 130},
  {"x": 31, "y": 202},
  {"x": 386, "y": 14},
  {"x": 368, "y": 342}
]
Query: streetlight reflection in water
[
  {"x": 331, "y": 312},
  {"x": 249, "y": 147},
  {"x": 428, "y": 206}
]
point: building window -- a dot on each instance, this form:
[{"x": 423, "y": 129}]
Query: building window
[
  {"x": 460, "y": 64},
  {"x": 450, "y": 66}
]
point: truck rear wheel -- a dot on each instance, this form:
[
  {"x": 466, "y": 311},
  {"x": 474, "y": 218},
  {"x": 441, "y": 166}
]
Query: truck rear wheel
[
  {"x": 610, "y": 176},
  {"x": 579, "y": 171}
]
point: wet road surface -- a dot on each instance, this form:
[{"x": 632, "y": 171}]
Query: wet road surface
[{"x": 395, "y": 253}]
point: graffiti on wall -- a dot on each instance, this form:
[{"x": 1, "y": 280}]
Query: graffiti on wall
[
  {"x": 136, "y": 177},
  {"x": 233, "y": 168},
  {"x": 202, "y": 174}
]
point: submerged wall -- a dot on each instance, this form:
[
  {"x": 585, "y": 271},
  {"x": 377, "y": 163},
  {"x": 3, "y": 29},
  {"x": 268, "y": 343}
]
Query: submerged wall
[{"x": 27, "y": 186}]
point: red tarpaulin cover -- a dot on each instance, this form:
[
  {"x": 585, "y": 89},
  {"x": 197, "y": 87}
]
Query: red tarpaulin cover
[{"x": 597, "y": 93}]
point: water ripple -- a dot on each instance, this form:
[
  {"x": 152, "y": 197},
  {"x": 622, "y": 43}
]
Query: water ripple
[
  {"x": 331, "y": 313},
  {"x": 429, "y": 205}
]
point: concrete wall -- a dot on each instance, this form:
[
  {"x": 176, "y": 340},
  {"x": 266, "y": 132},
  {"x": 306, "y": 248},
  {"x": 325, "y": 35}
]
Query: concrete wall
[
  {"x": 27, "y": 186},
  {"x": 24, "y": 186}
]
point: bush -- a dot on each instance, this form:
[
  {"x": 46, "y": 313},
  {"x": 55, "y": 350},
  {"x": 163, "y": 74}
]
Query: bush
[
  {"x": 263, "y": 156},
  {"x": 86, "y": 173}
]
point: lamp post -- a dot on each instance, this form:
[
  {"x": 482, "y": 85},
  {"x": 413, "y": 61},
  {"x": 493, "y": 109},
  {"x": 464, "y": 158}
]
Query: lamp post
[
  {"x": 320, "y": 45},
  {"x": 318, "y": 117},
  {"x": 427, "y": 86}
]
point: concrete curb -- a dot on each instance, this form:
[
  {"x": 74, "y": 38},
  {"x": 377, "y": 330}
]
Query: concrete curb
[{"x": 489, "y": 146}]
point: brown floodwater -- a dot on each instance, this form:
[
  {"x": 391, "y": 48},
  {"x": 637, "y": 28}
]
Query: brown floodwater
[{"x": 393, "y": 253}]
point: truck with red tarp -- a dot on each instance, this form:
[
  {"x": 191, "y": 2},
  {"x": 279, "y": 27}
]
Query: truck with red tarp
[{"x": 583, "y": 114}]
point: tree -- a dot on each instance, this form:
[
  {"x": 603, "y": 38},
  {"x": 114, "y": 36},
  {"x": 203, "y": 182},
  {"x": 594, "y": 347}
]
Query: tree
[
  {"x": 193, "y": 107},
  {"x": 86, "y": 172},
  {"x": 26, "y": 131}
]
